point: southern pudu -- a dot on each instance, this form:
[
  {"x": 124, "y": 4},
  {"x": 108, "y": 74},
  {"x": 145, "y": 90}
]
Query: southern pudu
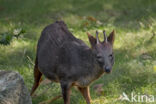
[{"x": 63, "y": 58}]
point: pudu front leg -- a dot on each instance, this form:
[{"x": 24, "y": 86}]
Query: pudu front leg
[
  {"x": 65, "y": 86},
  {"x": 86, "y": 93}
]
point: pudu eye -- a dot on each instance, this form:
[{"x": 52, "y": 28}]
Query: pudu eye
[
  {"x": 99, "y": 58},
  {"x": 111, "y": 56}
]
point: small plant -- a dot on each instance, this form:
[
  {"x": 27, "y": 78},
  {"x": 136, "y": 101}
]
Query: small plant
[{"x": 5, "y": 38}]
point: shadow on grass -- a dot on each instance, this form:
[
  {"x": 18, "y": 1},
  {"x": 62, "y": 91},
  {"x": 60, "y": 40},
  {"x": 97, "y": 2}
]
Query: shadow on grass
[{"x": 124, "y": 14}]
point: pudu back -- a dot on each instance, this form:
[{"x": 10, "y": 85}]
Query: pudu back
[{"x": 58, "y": 48}]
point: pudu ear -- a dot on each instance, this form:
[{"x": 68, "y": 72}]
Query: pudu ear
[
  {"x": 111, "y": 37},
  {"x": 92, "y": 40}
]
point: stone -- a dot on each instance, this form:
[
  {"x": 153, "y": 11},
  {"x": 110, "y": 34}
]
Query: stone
[{"x": 13, "y": 89}]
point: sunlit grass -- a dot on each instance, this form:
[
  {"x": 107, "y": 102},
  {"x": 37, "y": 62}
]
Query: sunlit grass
[{"x": 134, "y": 24}]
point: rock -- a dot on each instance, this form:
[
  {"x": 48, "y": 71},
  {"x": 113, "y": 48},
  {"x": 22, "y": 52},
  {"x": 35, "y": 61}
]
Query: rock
[
  {"x": 145, "y": 56},
  {"x": 98, "y": 88},
  {"x": 13, "y": 89}
]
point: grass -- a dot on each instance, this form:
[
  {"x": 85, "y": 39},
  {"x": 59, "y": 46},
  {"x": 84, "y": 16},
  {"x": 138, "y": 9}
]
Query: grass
[{"x": 133, "y": 20}]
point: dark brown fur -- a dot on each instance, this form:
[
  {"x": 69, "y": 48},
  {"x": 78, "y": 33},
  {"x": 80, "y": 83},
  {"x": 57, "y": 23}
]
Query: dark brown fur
[{"x": 65, "y": 59}]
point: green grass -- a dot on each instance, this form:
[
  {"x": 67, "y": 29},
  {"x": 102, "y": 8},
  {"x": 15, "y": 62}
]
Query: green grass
[{"x": 133, "y": 20}]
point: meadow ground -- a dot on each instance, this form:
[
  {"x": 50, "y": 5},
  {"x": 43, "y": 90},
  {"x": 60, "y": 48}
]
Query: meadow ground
[{"x": 135, "y": 46}]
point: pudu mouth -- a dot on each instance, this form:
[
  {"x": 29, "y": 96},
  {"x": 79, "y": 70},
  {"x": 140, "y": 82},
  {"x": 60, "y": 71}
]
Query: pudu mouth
[{"x": 107, "y": 70}]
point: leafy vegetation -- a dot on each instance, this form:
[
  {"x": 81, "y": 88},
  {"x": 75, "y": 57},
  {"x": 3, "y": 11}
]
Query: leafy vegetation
[
  {"x": 135, "y": 49},
  {"x": 6, "y": 38}
]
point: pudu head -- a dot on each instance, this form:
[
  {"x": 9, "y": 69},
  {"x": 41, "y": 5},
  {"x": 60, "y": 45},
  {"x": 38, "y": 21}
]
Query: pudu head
[{"x": 103, "y": 51}]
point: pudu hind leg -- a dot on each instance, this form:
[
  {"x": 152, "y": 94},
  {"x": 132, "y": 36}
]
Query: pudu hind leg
[
  {"x": 65, "y": 86},
  {"x": 37, "y": 78},
  {"x": 86, "y": 93}
]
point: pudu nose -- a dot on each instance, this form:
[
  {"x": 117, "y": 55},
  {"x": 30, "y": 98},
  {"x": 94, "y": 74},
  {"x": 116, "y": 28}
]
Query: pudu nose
[{"x": 107, "y": 69}]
